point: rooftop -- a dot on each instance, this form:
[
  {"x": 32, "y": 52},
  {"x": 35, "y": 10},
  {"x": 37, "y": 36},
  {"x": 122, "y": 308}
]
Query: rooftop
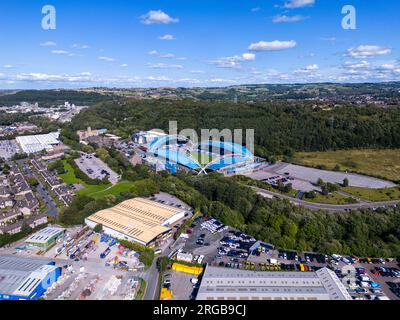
[
  {"x": 138, "y": 218},
  {"x": 44, "y": 235},
  {"x": 231, "y": 283},
  {"x": 21, "y": 276}
]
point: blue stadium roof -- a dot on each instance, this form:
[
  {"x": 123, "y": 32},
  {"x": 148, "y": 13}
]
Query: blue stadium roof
[{"x": 231, "y": 153}]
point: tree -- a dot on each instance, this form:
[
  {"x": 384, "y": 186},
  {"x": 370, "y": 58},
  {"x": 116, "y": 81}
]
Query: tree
[
  {"x": 320, "y": 182},
  {"x": 336, "y": 168},
  {"x": 346, "y": 182},
  {"x": 325, "y": 190},
  {"x": 288, "y": 188},
  {"x": 98, "y": 228},
  {"x": 32, "y": 182},
  {"x": 311, "y": 195},
  {"x": 163, "y": 263}
]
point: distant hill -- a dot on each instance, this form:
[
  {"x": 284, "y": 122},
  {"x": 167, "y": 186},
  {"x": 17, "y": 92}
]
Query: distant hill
[
  {"x": 47, "y": 98},
  {"x": 364, "y": 93}
]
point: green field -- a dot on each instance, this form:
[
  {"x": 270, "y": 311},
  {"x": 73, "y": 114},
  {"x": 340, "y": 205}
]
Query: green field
[
  {"x": 333, "y": 198},
  {"x": 378, "y": 163},
  {"x": 120, "y": 187},
  {"x": 94, "y": 191},
  {"x": 387, "y": 194},
  {"x": 202, "y": 158}
]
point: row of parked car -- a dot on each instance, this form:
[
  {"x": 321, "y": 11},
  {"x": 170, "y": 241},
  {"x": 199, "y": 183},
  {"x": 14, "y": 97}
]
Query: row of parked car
[
  {"x": 386, "y": 272},
  {"x": 213, "y": 226},
  {"x": 395, "y": 288}
]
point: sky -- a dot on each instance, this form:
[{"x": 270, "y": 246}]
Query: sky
[{"x": 196, "y": 43}]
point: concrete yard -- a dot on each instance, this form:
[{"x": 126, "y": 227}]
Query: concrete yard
[
  {"x": 312, "y": 175},
  {"x": 181, "y": 286},
  {"x": 305, "y": 179},
  {"x": 95, "y": 168}
]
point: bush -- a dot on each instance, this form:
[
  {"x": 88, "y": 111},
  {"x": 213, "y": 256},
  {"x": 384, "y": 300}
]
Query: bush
[
  {"x": 146, "y": 254},
  {"x": 98, "y": 228},
  {"x": 163, "y": 263}
]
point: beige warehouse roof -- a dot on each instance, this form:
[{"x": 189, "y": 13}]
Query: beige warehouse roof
[{"x": 138, "y": 218}]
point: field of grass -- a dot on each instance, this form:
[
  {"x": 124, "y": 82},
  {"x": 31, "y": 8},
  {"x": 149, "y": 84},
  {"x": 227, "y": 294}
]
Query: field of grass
[
  {"x": 333, "y": 198},
  {"x": 378, "y": 163},
  {"x": 120, "y": 187},
  {"x": 374, "y": 195},
  {"x": 202, "y": 158},
  {"x": 94, "y": 191}
]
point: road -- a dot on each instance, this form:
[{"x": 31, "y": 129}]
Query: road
[
  {"x": 329, "y": 207},
  {"x": 52, "y": 208},
  {"x": 151, "y": 275}
]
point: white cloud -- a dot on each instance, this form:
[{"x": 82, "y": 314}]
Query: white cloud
[
  {"x": 284, "y": 18},
  {"x": 366, "y": 51},
  {"x": 79, "y": 46},
  {"x": 310, "y": 69},
  {"x": 357, "y": 65},
  {"x": 124, "y": 65},
  {"x": 255, "y": 9},
  {"x": 167, "y": 56},
  {"x": 48, "y": 44},
  {"x": 272, "y": 46},
  {"x": 8, "y": 66},
  {"x": 158, "y": 78},
  {"x": 167, "y": 37},
  {"x": 294, "y": 4},
  {"x": 164, "y": 66},
  {"x": 157, "y": 17},
  {"x": 107, "y": 59},
  {"x": 197, "y": 71},
  {"x": 248, "y": 56},
  {"x": 153, "y": 52},
  {"x": 233, "y": 62},
  {"x": 60, "y": 52}
]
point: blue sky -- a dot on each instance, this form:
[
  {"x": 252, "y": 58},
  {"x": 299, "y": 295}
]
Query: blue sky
[{"x": 142, "y": 43}]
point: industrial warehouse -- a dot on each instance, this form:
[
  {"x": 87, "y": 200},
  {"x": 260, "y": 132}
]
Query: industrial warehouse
[
  {"x": 233, "y": 284},
  {"x": 45, "y": 239},
  {"x": 38, "y": 143},
  {"x": 26, "y": 278},
  {"x": 138, "y": 220}
]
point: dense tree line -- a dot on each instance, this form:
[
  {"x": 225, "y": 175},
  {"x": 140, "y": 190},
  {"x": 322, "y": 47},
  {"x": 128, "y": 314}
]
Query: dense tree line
[
  {"x": 47, "y": 98},
  {"x": 364, "y": 232},
  {"x": 280, "y": 128}
]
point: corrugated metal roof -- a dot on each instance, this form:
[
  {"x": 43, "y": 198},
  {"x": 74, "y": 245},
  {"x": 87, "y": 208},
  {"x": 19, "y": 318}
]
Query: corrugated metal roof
[
  {"x": 21, "y": 276},
  {"x": 137, "y": 218}
]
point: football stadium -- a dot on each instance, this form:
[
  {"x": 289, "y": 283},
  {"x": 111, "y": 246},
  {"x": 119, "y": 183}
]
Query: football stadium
[{"x": 173, "y": 152}]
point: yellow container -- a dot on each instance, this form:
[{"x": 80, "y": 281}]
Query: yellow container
[
  {"x": 166, "y": 294},
  {"x": 187, "y": 269}
]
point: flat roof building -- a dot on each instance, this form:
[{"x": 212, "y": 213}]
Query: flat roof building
[
  {"x": 45, "y": 238},
  {"x": 137, "y": 220},
  {"x": 234, "y": 284},
  {"x": 38, "y": 143},
  {"x": 26, "y": 278}
]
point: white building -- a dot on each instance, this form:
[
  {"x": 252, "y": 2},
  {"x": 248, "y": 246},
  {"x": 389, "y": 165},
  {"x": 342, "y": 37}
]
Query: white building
[
  {"x": 38, "y": 143},
  {"x": 235, "y": 284}
]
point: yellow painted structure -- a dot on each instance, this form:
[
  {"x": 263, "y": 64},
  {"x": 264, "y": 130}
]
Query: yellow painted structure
[{"x": 187, "y": 269}]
